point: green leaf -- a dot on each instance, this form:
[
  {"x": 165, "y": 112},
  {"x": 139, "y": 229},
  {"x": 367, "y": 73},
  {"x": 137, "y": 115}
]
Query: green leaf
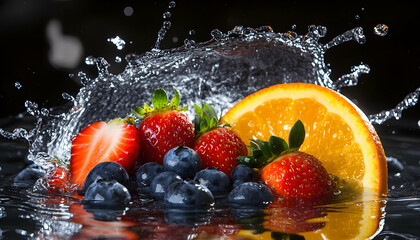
[
  {"x": 159, "y": 99},
  {"x": 296, "y": 135},
  {"x": 210, "y": 111},
  {"x": 254, "y": 144},
  {"x": 213, "y": 123},
  {"x": 257, "y": 153},
  {"x": 176, "y": 100},
  {"x": 204, "y": 125},
  {"x": 249, "y": 161},
  {"x": 265, "y": 149},
  {"x": 277, "y": 145},
  {"x": 198, "y": 111}
]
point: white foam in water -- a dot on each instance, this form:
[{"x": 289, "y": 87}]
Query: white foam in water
[{"x": 219, "y": 72}]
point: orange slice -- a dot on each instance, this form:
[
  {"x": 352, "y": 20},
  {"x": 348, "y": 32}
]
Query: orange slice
[{"x": 338, "y": 133}]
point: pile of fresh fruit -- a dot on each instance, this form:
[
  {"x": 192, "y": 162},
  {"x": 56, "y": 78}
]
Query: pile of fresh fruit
[
  {"x": 332, "y": 152},
  {"x": 187, "y": 163}
]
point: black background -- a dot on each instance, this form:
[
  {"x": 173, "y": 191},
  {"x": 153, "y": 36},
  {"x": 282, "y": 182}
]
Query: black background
[{"x": 394, "y": 58}]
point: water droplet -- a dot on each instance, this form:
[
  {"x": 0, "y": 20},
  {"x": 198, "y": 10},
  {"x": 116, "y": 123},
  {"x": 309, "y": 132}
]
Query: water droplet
[
  {"x": 294, "y": 26},
  {"x": 191, "y": 32},
  {"x": 166, "y": 25},
  {"x": 357, "y": 17},
  {"x": 117, "y": 59},
  {"x": 172, "y": 4},
  {"x": 217, "y": 34},
  {"x": 90, "y": 60},
  {"x": 381, "y": 30},
  {"x": 418, "y": 123},
  {"x": 189, "y": 43},
  {"x": 71, "y": 75},
  {"x": 118, "y": 42},
  {"x": 83, "y": 78},
  {"x": 128, "y": 11},
  {"x": 18, "y": 85},
  {"x": 167, "y": 15}
]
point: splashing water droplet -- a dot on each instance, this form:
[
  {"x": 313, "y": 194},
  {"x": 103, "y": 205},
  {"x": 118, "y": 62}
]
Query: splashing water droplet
[
  {"x": 418, "y": 123},
  {"x": 357, "y": 17},
  {"x": 294, "y": 26},
  {"x": 381, "y": 30},
  {"x": 167, "y": 15},
  {"x": 409, "y": 101},
  {"x": 162, "y": 32},
  {"x": 217, "y": 35},
  {"x": 172, "y": 4},
  {"x": 118, "y": 59},
  {"x": 118, "y": 42},
  {"x": 90, "y": 60},
  {"x": 191, "y": 32},
  {"x": 18, "y": 85}
]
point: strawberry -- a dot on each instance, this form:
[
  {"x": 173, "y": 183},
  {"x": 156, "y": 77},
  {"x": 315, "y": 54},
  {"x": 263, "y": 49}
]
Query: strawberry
[
  {"x": 57, "y": 179},
  {"x": 290, "y": 173},
  {"x": 117, "y": 140},
  {"x": 163, "y": 127},
  {"x": 216, "y": 145}
]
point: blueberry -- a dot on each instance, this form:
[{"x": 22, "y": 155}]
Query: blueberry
[
  {"x": 146, "y": 173},
  {"x": 187, "y": 194},
  {"x": 216, "y": 181},
  {"x": 161, "y": 182},
  {"x": 106, "y": 194},
  {"x": 241, "y": 174},
  {"x": 28, "y": 176},
  {"x": 183, "y": 161},
  {"x": 106, "y": 171},
  {"x": 251, "y": 194}
]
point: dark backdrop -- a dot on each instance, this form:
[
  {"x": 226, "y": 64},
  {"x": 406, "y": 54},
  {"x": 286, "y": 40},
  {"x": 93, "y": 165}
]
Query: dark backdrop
[{"x": 394, "y": 60}]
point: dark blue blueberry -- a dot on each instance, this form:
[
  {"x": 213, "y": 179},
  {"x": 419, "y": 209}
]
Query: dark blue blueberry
[
  {"x": 106, "y": 194},
  {"x": 216, "y": 181},
  {"x": 146, "y": 173},
  {"x": 161, "y": 182},
  {"x": 183, "y": 161},
  {"x": 28, "y": 176},
  {"x": 251, "y": 194},
  {"x": 241, "y": 174},
  {"x": 187, "y": 194},
  {"x": 106, "y": 171}
]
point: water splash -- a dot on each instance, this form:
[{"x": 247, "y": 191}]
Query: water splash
[
  {"x": 409, "y": 101},
  {"x": 381, "y": 30},
  {"x": 219, "y": 72},
  {"x": 118, "y": 42},
  {"x": 18, "y": 85}
]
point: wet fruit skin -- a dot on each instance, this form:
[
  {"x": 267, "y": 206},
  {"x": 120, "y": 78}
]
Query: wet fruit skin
[
  {"x": 187, "y": 194},
  {"x": 183, "y": 161},
  {"x": 242, "y": 173},
  {"x": 215, "y": 180},
  {"x": 106, "y": 171},
  {"x": 219, "y": 148},
  {"x": 298, "y": 175},
  {"x": 161, "y": 182},
  {"x": 251, "y": 194},
  {"x": 146, "y": 173},
  {"x": 107, "y": 193},
  {"x": 161, "y": 132},
  {"x": 117, "y": 141}
]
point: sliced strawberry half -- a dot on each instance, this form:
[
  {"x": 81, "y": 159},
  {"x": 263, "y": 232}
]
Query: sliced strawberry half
[{"x": 117, "y": 141}]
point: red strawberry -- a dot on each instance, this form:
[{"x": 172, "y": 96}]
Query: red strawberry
[
  {"x": 117, "y": 141},
  {"x": 217, "y": 146},
  {"x": 57, "y": 179},
  {"x": 298, "y": 175},
  {"x": 163, "y": 127},
  {"x": 293, "y": 175}
]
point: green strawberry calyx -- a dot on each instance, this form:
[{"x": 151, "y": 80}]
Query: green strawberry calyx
[
  {"x": 160, "y": 103},
  {"x": 206, "y": 119},
  {"x": 264, "y": 152}
]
